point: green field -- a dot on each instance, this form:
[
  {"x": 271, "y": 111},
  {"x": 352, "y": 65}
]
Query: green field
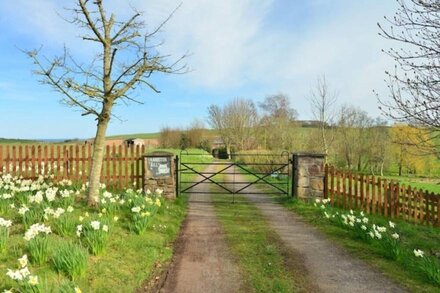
[
  {"x": 429, "y": 184},
  {"x": 134, "y": 135}
]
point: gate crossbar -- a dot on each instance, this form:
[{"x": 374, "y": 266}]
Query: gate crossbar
[
  {"x": 207, "y": 178},
  {"x": 261, "y": 179}
]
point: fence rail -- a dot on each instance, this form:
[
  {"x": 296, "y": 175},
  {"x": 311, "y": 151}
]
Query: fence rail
[
  {"x": 381, "y": 196},
  {"x": 121, "y": 168}
]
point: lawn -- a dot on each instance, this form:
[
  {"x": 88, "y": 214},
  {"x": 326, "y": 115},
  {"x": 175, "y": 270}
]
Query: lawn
[
  {"x": 407, "y": 269},
  {"x": 135, "y": 233}
]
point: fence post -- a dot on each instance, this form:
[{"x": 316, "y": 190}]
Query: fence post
[
  {"x": 326, "y": 175},
  {"x": 438, "y": 211},
  {"x": 176, "y": 168},
  {"x": 292, "y": 176},
  {"x": 308, "y": 175}
]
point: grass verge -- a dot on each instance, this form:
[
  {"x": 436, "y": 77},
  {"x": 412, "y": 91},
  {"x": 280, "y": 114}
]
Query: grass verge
[{"x": 404, "y": 272}]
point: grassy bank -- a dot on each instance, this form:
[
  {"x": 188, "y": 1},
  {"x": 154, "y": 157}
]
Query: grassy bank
[{"x": 404, "y": 271}]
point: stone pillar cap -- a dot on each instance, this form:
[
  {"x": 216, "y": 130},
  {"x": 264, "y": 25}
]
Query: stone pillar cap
[
  {"x": 315, "y": 155},
  {"x": 159, "y": 154}
]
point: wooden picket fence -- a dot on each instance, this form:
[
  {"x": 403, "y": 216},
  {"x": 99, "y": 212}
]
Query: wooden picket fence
[
  {"x": 122, "y": 165},
  {"x": 380, "y": 196}
]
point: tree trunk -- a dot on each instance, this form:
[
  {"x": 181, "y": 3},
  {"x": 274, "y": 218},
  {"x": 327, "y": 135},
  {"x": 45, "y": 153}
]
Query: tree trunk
[
  {"x": 324, "y": 142},
  {"x": 97, "y": 158}
]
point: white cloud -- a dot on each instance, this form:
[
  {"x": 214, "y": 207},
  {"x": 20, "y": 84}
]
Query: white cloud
[{"x": 232, "y": 48}]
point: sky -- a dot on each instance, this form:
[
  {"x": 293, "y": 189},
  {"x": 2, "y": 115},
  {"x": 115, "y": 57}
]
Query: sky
[{"x": 238, "y": 48}]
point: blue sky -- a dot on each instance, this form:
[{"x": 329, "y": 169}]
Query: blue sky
[{"x": 239, "y": 48}]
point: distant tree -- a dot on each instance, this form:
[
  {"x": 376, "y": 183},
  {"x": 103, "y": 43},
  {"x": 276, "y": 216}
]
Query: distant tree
[
  {"x": 276, "y": 122},
  {"x": 235, "y": 122},
  {"x": 127, "y": 58},
  {"x": 405, "y": 139},
  {"x": 204, "y": 144},
  {"x": 196, "y": 133},
  {"x": 379, "y": 146},
  {"x": 414, "y": 85},
  {"x": 217, "y": 119},
  {"x": 354, "y": 125},
  {"x": 169, "y": 137},
  {"x": 278, "y": 106},
  {"x": 322, "y": 102},
  {"x": 184, "y": 142}
]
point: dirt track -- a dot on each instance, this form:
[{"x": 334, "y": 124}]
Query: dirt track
[
  {"x": 331, "y": 268},
  {"x": 202, "y": 262}
]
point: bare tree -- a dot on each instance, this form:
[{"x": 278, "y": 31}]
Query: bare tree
[
  {"x": 278, "y": 106},
  {"x": 379, "y": 145},
  {"x": 235, "y": 122},
  {"x": 354, "y": 125},
  {"x": 276, "y": 122},
  {"x": 322, "y": 102},
  {"x": 217, "y": 120},
  {"x": 414, "y": 85},
  {"x": 127, "y": 58}
]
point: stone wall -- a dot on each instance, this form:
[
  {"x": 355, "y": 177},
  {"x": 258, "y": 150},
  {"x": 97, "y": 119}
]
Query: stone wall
[
  {"x": 308, "y": 175},
  {"x": 166, "y": 183}
]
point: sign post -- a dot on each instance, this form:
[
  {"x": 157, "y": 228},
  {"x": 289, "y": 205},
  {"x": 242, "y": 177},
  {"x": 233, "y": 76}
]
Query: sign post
[{"x": 159, "y": 173}]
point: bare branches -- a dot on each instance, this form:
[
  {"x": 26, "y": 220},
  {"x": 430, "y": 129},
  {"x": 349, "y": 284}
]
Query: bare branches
[
  {"x": 91, "y": 24},
  {"x": 124, "y": 28},
  {"x": 60, "y": 82},
  {"x": 89, "y": 86},
  {"x": 322, "y": 102},
  {"x": 415, "y": 84}
]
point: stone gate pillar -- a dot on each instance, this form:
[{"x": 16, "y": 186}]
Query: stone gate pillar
[
  {"x": 308, "y": 175},
  {"x": 159, "y": 173}
]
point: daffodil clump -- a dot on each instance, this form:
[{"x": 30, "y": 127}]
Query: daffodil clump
[
  {"x": 110, "y": 203},
  {"x": 4, "y": 233},
  {"x": 32, "y": 211},
  {"x": 93, "y": 235},
  {"x": 143, "y": 208},
  {"x": 37, "y": 242},
  {"x": 26, "y": 282},
  {"x": 429, "y": 265},
  {"x": 386, "y": 236},
  {"x": 61, "y": 220}
]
